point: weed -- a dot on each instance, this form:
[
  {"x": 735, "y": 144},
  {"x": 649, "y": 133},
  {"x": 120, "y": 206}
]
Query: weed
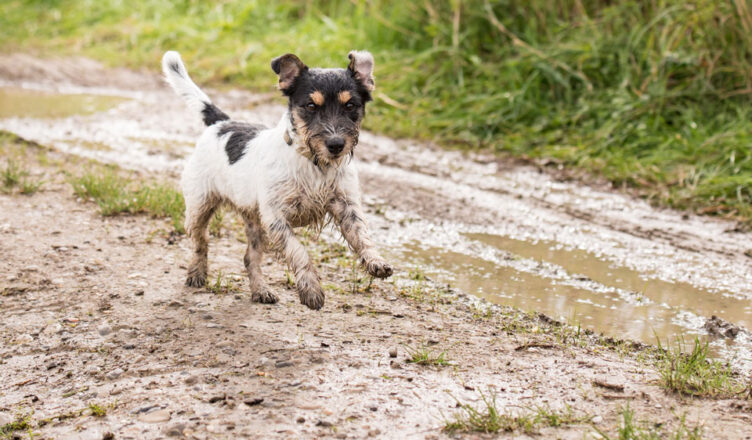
[
  {"x": 222, "y": 285},
  {"x": 13, "y": 176},
  {"x": 490, "y": 419},
  {"x": 424, "y": 356},
  {"x": 97, "y": 410},
  {"x": 21, "y": 423},
  {"x": 694, "y": 374},
  {"x": 630, "y": 429}
]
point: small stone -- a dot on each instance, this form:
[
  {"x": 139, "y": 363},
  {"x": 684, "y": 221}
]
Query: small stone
[
  {"x": 283, "y": 364},
  {"x": 393, "y": 352},
  {"x": 373, "y": 408},
  {"x": 597, "y": 419},
  {"x": 175, "y": 430},
  {"x": 108, "y": 436},
  {"x": 324, "y": 424},
  {"x": 114, "y": 374},
  {"x": 159, "y": 416},
  {"x": 139, "y": 293},
  {"x": 300, "y": 419},
  {"x": 374, "y": 432},
  {"x": 104, "y": 330},
  {"x": 190, "y": 380},
  {"x": 254, "y": 402}
]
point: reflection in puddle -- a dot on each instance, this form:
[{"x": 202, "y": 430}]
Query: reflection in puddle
[
  {"x": 669, "y": 310},
  {"x": 25, "y": 103}
]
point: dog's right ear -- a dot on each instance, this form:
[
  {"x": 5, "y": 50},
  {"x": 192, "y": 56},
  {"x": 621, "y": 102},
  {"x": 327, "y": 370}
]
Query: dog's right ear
[{"x": 288, "y": 67}]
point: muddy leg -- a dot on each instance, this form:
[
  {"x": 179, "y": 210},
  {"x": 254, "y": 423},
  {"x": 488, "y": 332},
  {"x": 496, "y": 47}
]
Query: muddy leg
[
  {"x": 197, "y": 220},
  {"x": 307, "y": 283},
  {"x": 348, "y": 214},
  {"x": 260, "y": 292}
]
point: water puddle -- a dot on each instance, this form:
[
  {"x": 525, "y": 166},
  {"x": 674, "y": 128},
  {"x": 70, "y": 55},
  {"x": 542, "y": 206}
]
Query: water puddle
[
  {"x": 26, "y": 103},
  {"x": 653, "y": 308}
]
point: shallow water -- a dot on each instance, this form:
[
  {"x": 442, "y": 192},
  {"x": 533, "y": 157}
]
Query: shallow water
[{"x": 26, "y": 103}]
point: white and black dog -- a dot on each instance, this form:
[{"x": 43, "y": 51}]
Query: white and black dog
[{"x": 279, "y": 178}]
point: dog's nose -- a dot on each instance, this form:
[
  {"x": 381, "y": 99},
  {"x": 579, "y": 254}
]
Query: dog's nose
[{"x": 335, "y": 144}]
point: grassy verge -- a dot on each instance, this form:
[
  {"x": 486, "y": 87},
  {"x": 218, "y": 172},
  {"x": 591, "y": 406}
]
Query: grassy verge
[
  {"x": 651, "y": 95},
  {"x": 115, "y": 194}
]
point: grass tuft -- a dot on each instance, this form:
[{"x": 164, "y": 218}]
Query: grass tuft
[
  {"x": 13, "y": 176},
  {"x": 22, "y": 423},
  {"x": 694, "y": 373},
  {"x": 630, "y": 429},
  {"x": 489, "y": 418},
  {"x": 115, "y": 194},
  {"x": 425, "y": 356},
  {"x": 97, "y": 410}
]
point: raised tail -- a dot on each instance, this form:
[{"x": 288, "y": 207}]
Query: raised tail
[{"x": 177, "y": 77}]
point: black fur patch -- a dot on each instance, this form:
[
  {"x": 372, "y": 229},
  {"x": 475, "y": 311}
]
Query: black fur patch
[
  {"x": 175, "y": 67},
  {"x": 242, "y": 133},
  {"x": 212, "y": 114}
]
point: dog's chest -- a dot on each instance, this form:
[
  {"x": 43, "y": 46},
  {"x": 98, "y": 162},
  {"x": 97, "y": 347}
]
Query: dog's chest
[{"x": 305, "y": 203}]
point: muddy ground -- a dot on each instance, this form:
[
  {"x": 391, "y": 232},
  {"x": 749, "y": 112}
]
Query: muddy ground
[{"x": 94, "y": 310}]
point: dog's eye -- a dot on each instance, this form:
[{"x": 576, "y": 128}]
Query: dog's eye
[
  {"x": 311, "y": 106},
  {"x": 349, "y": 106}
]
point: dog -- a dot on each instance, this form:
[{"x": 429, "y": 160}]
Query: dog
[{"x": 295, "y": 174}]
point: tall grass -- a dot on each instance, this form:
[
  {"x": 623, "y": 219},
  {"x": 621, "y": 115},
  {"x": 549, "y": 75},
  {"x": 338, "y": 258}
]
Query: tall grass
[{"x": 652, "y": 94}]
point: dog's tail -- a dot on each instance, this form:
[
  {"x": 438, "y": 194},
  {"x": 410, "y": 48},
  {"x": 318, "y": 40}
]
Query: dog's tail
[{"x": 177, "y": 77}]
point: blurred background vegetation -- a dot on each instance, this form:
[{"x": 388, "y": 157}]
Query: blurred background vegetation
[{"x": 650, "y": 94}]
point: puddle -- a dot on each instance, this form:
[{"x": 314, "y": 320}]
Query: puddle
[
  {"x": 659, "y": 309},
  {"x": 25, "y": 103}
]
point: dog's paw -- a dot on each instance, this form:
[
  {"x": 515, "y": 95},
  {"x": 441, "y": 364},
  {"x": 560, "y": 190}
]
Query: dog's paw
[
  {"x": 312, "y": 297},
  {"x": 379, "y": 268},
  {"x": 196, "y": 279},
  {"x": 264, "y": 296}
]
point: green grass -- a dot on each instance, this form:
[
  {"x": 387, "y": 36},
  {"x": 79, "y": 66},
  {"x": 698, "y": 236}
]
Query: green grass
[
  {"x": 653, "y": 95},
  {"x": 489, "y": 418},
  {"x": 97, "y": 410},
  {"x": 115, "y": 194},
  {"x": 222, "y": 284},
  {"x": 425, "y": 356},
  {"x": 21, "y": 423},
  {"x": 694, "y": 373},
  {"x": 631, "y": 429},
  {"x": 14, "y": 177}
]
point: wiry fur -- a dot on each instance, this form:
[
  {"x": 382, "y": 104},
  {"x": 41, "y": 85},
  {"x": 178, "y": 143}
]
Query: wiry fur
[{"x": 295, "y": 174}]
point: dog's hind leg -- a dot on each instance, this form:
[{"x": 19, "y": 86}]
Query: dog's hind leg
[
  {"x": 198, "y": 213},
  {"x": 260, "y": 292}
]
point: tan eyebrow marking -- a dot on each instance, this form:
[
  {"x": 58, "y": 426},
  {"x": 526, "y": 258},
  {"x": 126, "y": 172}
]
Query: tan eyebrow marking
[
  {"x": 344, "y": 96},
  {"x": 317, "y": 98}
]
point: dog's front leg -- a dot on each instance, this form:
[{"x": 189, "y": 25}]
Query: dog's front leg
[
  {"x": 307, "y": 282},
  {"x": 348, "y": 214}
]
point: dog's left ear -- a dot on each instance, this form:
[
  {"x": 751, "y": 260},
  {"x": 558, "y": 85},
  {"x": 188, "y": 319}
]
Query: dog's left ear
[{"x": 361, "y": 67}]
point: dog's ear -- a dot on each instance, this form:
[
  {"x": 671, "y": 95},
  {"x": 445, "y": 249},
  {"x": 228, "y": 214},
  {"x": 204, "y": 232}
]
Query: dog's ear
[
  {"x": 288, "y": 67},
  {"x": 361, "y": 67}
]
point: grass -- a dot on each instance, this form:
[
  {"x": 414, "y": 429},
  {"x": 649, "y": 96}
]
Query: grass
[
  {"x": 115, "y": 194},
  {"x": 97, "y": 410},
  {"x": 14, "y": 177},
  {"x": 222, "y": 284},
  {"x": 694, "y": 373},
  {"x": 630, "y": 429},
  {"x": 423, "y": 355},
  {"x": 653, "y": 95},
  {"x": 489, "y": 418},
  {"x": 22, "y": 423}
]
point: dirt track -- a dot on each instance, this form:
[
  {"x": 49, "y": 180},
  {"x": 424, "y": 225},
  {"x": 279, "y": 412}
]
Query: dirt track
[{"x": 95, "y": 309}]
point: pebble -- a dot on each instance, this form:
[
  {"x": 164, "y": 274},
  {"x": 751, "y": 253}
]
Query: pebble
[
  {"x": 597, "y": 419},
  {"x": 301, "y": 419},
  {"x": 190, "y": 380},
  {"x": 393, "y": 352},
  {"x": 114, "y": 374},
  {"x": 104, "y": 330},
  {"x": 175, "y": 430},
  {"x": 159, "y": 416},
  {"x": 282, "y": 364}
]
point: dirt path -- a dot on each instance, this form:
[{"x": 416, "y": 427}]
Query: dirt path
[{"x": 95, "y": 311}]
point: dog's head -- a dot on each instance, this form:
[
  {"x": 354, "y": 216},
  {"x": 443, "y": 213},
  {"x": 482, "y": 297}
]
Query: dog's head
[{"x": 326, "y": 105}]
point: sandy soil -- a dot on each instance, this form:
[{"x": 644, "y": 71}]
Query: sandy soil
[{"x": 94, "y": 311}]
